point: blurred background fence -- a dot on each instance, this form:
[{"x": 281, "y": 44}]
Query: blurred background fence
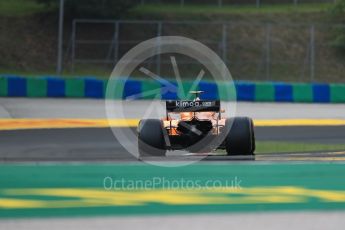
[
  {"x": 221, "y": 3},
  {"x": 259, "y": 52}
]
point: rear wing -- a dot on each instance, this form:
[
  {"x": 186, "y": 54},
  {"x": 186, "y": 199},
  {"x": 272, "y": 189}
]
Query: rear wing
[{"x": 193, "y": 106}]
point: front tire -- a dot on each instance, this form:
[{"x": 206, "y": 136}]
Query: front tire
[
  {"x": 241, "y": 139},
  {"x": 151, "y": 138}
]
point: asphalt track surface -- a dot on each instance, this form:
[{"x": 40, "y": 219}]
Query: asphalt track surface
[
  {"x": 99, "y": 144},
  {"x": 88, "y": 108},
  {"x": 247, "y": 221}
]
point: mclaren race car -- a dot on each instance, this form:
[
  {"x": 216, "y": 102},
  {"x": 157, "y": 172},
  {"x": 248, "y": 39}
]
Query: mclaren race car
[{"x": 196, "y": 126}]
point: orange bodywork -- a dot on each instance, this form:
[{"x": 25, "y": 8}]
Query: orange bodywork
[{"x": 171, "y": 124}]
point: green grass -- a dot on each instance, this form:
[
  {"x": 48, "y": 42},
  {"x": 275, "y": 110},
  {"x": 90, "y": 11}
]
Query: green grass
[
  {"x": 285, "y": 147},
  {"x": 20, "y": 7},
  {"x": 94, "y": 72},
  {"x": 245, "y": 9},
  {"x": 27, "y": 7}
]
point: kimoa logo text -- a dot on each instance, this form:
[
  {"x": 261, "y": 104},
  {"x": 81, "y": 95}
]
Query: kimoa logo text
[
  {"x": 187, "y": 103},
  {"x": 192, "y": 103}
]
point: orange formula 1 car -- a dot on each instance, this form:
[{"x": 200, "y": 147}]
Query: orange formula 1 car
[{"x": 195, "y": 126}]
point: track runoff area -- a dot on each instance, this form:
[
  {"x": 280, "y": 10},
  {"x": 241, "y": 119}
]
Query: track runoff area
[{"x": 44, "y": 173}]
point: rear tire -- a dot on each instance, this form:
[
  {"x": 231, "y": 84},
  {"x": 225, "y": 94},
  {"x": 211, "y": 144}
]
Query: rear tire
[
  {"x": 241, "y": 139},
  {"x": 151, "y": 138}
]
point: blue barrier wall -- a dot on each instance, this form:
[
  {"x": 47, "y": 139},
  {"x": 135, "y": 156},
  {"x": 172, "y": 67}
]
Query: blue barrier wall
[{"x": 88, "y": 87}]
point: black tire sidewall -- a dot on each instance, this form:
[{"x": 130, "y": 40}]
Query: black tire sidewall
[
  {"x": 240, "y": 139},
  {"x": 151, "y": 138}
]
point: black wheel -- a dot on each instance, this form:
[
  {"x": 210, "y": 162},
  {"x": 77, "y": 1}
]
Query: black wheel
[
  {"x": 253, "y": 135},
  {"x": 151, "y": 138},
  {"x": 240, "y": 140}
]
